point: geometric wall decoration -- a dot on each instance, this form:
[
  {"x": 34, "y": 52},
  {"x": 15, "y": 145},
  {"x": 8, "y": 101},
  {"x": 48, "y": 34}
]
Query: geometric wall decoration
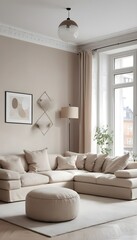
[{"x": 44, "y": 123}]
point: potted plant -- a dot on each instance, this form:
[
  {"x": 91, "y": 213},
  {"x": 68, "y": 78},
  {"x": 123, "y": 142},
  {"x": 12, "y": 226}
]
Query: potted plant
[{"x": 104, "y": 138}]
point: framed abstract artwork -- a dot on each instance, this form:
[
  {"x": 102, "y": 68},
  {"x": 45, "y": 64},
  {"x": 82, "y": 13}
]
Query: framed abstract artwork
[{"x": 18, "y": 107}]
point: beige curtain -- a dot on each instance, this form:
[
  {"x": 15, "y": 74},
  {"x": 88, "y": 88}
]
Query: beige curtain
[{"x": 85, "y": 97}]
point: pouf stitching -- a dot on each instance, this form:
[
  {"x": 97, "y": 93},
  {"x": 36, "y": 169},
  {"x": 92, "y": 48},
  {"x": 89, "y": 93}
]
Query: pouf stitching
[{"x": 52, "y": 198}]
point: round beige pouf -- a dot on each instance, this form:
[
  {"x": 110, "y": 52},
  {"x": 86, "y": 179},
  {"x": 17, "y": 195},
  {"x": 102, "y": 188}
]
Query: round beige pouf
[{"x": 52, "y": 204}]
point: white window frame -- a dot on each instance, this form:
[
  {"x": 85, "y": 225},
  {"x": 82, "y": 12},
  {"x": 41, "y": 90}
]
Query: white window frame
[{"x": 113, "y": 86}]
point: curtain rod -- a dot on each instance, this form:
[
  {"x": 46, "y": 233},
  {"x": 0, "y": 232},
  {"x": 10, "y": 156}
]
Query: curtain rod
[{"x": 114, "y": 44}]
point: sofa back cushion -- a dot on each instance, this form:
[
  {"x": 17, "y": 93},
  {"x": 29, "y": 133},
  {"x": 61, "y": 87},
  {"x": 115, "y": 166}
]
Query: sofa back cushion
[
  {"x": 12, "y": 162},
  {"x": 131, "y": 165},
  {"x": 9, "y": 175},
  {"x": 24, "y": 162},
  {"x": 53, "y": 160}
]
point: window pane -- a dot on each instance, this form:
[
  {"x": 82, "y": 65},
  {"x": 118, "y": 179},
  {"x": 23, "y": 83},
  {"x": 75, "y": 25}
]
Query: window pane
[
  {"x": 123, "y": 120},
  {"x": 123, "y": 78},
  {"x": 123, "y": 62}
]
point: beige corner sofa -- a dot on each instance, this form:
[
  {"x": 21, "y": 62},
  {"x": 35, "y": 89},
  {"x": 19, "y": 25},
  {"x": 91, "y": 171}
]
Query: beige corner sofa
[{"x": 85, "y": 173}]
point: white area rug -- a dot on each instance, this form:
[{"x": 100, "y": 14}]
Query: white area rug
[{"x": 93, "y": 211}]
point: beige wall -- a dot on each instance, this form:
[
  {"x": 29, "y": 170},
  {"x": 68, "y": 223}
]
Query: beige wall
[{"x": 31, "y": 68}]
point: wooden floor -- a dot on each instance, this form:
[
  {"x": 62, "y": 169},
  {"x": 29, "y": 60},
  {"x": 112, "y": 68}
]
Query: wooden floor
[{"x": 125, "y": 229}]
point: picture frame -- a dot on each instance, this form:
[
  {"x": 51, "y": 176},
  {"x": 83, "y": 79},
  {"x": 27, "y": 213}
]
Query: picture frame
[{"x": 18, "y": 107}]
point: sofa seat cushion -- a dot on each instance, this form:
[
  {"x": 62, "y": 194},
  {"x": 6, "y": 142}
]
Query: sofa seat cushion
[
  {"x": 76, "y": 172},
  {"x": 32, "y": 179},
  {"x": 88, "y": 177},
  {"x": 58, "y": 176},
  {"x": 112, "y": 180},
  {"x": 10, "y": 185}
]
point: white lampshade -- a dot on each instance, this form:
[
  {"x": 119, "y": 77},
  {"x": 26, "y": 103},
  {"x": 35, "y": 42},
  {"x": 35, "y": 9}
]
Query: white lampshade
[
  {"x": 69, "y": 112},
  {"x": 68, "y": 29}
]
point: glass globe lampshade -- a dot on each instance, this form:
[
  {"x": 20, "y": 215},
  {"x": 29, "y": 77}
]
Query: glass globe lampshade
[{"x": 68, "y": 29}]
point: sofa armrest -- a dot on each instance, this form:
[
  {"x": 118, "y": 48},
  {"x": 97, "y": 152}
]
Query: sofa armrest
[
  {"x": 127, "y": 173},
  {"x": 9, "y": 175}
]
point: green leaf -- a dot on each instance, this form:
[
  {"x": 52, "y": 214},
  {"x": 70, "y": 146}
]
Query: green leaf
[{"x": 104, "y": 139}]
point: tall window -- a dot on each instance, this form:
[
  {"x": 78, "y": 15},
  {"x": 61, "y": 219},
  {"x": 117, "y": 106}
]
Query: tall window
[
  {"x": 123, "y": 95},
  {"x": 114, "y": 96}
]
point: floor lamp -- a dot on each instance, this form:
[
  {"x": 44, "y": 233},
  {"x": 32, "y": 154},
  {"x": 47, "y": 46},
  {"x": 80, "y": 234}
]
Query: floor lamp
[{"x": 69, "y": 113}]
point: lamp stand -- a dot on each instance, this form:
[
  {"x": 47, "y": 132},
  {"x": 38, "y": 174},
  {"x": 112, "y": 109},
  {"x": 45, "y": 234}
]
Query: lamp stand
[{"x": 69, "y": 134}]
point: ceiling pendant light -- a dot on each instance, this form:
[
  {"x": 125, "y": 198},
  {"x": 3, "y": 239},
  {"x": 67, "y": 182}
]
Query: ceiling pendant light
[{"x": 68, "y": 29}]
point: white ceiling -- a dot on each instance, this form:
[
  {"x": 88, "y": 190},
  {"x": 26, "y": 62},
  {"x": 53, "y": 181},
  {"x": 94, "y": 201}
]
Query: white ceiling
[{"x": 97, "y": 19}]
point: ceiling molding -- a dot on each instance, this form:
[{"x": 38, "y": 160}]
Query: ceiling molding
[
  {"x": 21, "y": 34},
  {"x": 24, "y": 35}
]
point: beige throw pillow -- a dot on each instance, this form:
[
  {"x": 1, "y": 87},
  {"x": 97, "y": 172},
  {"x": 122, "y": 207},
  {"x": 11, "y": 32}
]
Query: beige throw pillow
[
  {"x": 118, "y": 163},
  {"x": 80, "y": 162},
  {"x": 13, "y": 164},
  {"x": 37, "y": 160},
  {"x": 99, "y": 162},
  {"x": 107, "y": 161},
  {"x": 66, "y": 163},
  {"x": 90, "y": 161}
]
